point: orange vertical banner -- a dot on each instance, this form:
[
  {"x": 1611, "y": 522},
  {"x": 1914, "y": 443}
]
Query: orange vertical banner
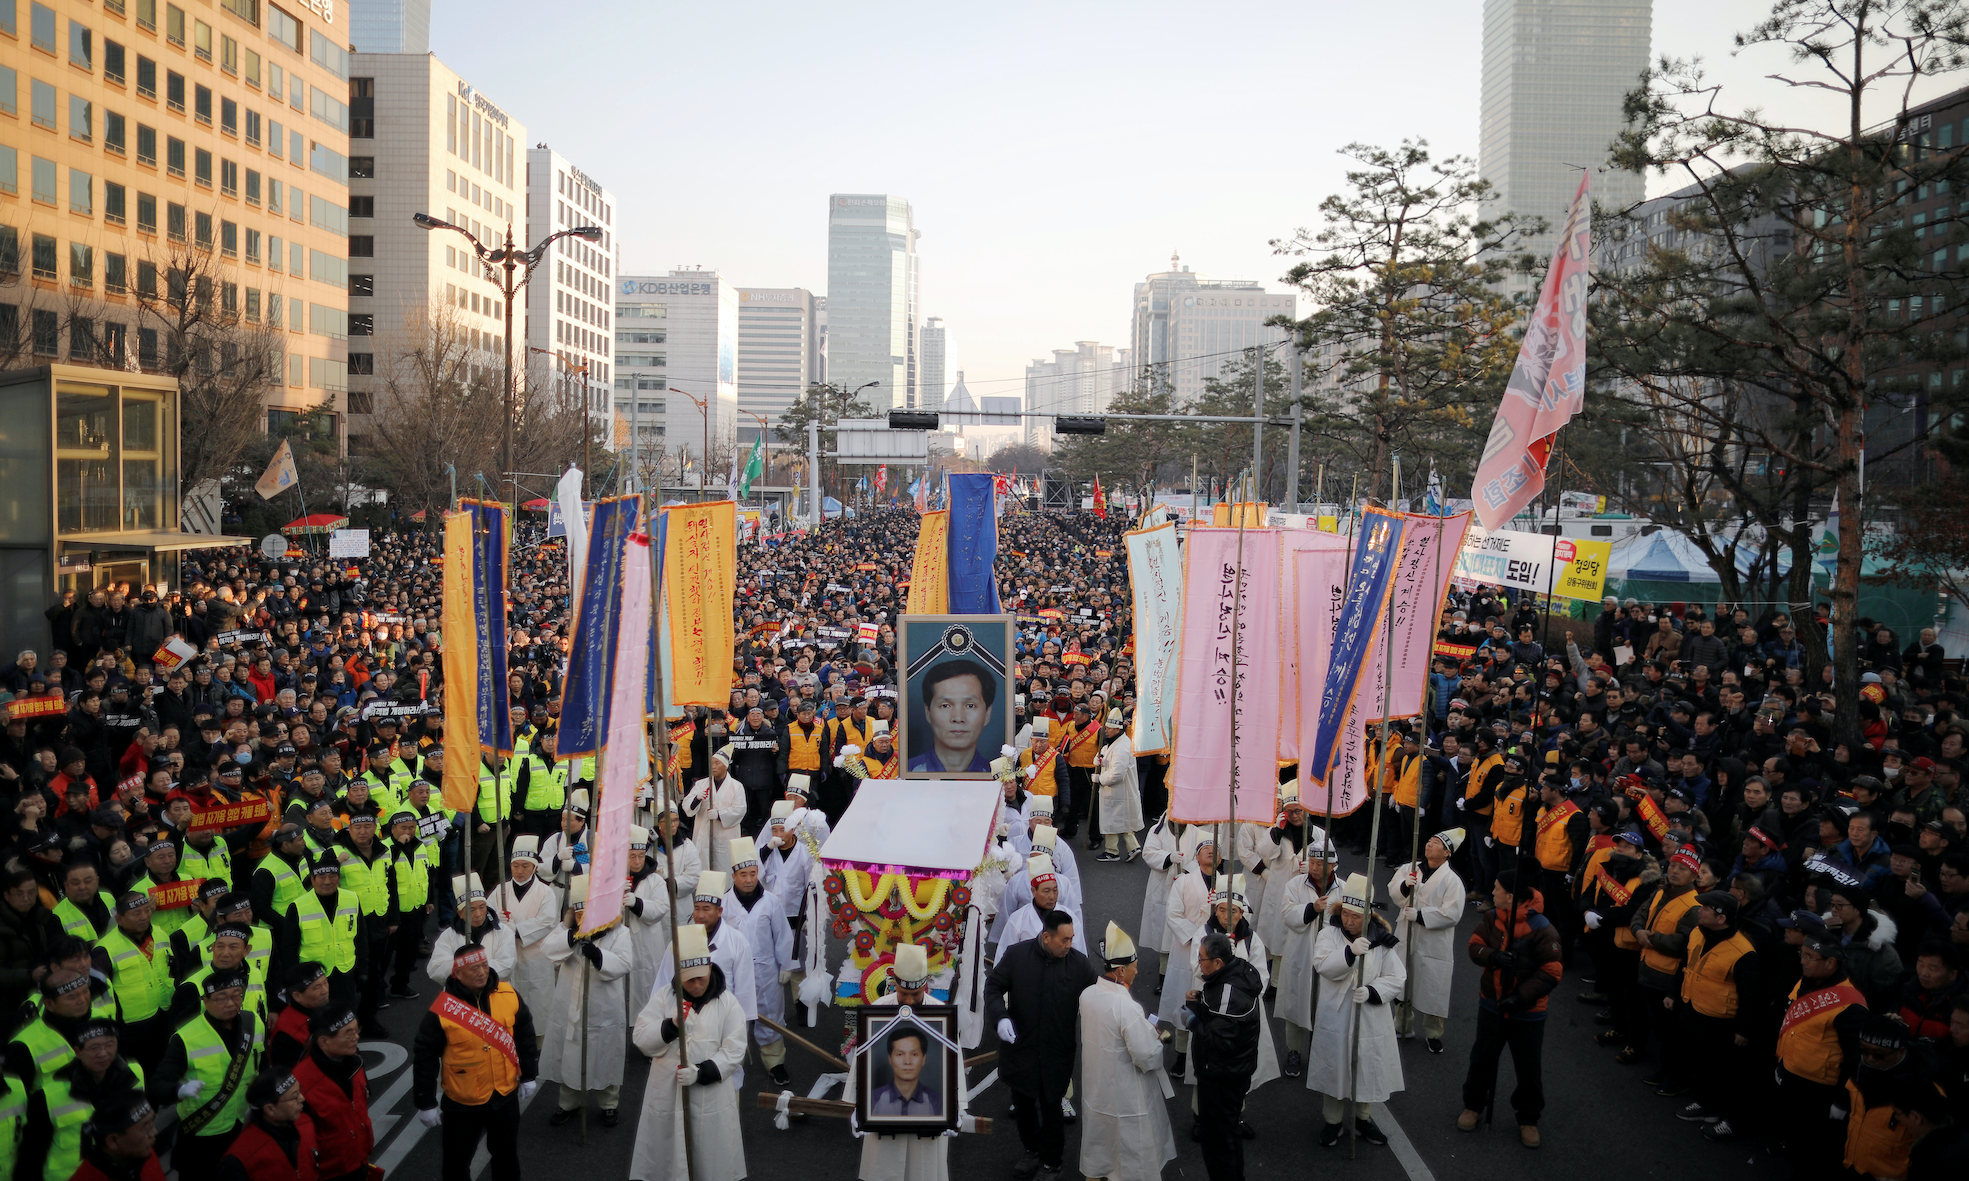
[
  {"x": 929, "y": 575},
  {"x": 461, "y": 668},
  {"x": 700, "y": 576}
]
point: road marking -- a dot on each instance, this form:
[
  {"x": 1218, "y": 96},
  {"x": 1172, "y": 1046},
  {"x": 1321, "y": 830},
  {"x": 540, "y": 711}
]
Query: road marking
[{"x": 1412, "y": 1162}]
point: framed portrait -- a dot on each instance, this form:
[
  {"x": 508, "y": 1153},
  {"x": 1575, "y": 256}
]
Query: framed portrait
[
  {"x": 908, "y": 1081},
  {"x": 956, "y": 693}
]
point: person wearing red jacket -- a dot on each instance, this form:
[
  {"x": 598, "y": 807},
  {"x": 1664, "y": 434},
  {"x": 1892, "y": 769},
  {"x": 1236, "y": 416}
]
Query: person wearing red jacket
[
  {"x": 277, "y": 1141},
  {"x": 1926, "y": 1008},
  {"x": 336, "y": 1091},
  {"x": 1518, "y": 970},
  {"x": 122, "y": 1141}
]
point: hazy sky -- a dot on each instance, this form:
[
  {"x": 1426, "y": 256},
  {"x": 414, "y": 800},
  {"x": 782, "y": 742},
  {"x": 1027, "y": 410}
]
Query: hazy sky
[{"x": 1054, "y": 153}]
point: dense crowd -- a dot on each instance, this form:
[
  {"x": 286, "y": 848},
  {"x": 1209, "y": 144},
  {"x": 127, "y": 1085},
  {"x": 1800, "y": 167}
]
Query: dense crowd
[{"x": 224, "y": 871}]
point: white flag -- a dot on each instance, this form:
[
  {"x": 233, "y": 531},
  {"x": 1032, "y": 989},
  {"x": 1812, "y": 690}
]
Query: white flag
[{"x": 279, "y": 475}]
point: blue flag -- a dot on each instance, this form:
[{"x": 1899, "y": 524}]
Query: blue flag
[
  {"x": 490, "y": 542},
  {"x": 591, "y": 643},
  {"x": 973, "y": 544},
  {"x": 1376, "y": 554}
]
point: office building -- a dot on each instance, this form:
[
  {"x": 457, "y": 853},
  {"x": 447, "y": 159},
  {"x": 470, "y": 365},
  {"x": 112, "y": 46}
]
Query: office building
[
  {"x": 1079, "y": 380},
  {"x": 778, "y": 354},
  {"x": 148, "y": 146},
  {"x": 390, "y": 26},
  {"x": 1555, "y": 74},
  {"x": 938, "y": 360},
  {"x": 872, "y": 297},
  {"x": 1192, "y": 327},
  {"x": 676, "y": 367},
  {"x": 570, "y": 323},
  {"x": 440, "y": 146}
]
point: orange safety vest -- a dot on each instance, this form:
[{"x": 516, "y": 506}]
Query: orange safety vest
[
  {"x": 1808, "y": 1046},
  {"x": 1080, "y": 745},
  {"x": 477, "y": 1065},
  {"x": 1475, "y": 783},
  {"x": 1664, "y": 914},
  {"x": 803, "y": 750},
  {"x": 1709, "y": 985},
  {"x": 1043, "y": 783},
  {"x": 1408, "y": 783},
  {"x": 854, "y": 733},
  {"x": 1507, "y": 827},
  {"x": 1554, "y": 846},
  {"x": 1877, "y": 1144}
]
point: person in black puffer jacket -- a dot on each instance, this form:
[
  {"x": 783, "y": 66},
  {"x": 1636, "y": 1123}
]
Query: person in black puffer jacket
[{"x": 1223, "y": 1018}]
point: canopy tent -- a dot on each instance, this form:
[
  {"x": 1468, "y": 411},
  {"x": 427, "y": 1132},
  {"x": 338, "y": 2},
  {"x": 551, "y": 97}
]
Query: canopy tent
[
  {"x": 418, "y": 516},
  {"x": 1666, "y": 566},
  {"x": 314, "y": 523},
  {"x": 537, "y": 505}
]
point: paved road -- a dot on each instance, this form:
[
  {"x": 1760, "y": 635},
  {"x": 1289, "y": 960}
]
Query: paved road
[{"x": 1588, "y": 1097}]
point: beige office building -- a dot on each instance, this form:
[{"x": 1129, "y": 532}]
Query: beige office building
[{"x": 152, "y": 148}]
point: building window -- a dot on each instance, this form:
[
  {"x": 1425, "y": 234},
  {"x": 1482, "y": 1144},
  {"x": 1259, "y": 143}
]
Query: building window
[
  {"x": 252, "y": 186},
  {"x": 146, "y": 278},
  {"x": 115, "y": 272},
  {"x": 246, "y": 10},
  {"x": 229, "y": 239},
  {"x": 174, "y": 25},
  {"x": 252, "y": 245},
  {"x": 202, "y": 167},
  {"x": 146, "y": 77},
  {"x": 113, "y": 62},
  {"x": 10, "y": 89},
  {"x": 147, "y": 145},
  {"x": 10, "y": 175},
  {"x": 362, "y": 168},
  {"x": 81, "y": 46},
  {"x": 47, "y": 333},
  {"x": 81, "y": 192},
  {"x": 81, "y": 265},
  {"x": 362, "y": 207},
  {"x": 361, "y": 324},
  {"x": 81, "y": 119},
  {"x": 228, "y": 55},
  {"x": 229, "y": 178},
  {"x": 174, "y": 91},
  {"x": 201, "y": 37},
  {"x": 113, "y": 212},
  {"x": 328, "y": 55},
  {"x": 41, "y": 30},
  {"x": 228, "y": 116},
  {"x": 44, "y": 181},
  {"x": 174, "y": 155},
  {"x": 46, "y": 250},
  {"x": 203, "y": 224},
  {"x": 113, "y": 132},
  {"x": 174, "y": 221},
  {"x": 251, "y": 72},
  {"x": 146, "y": 213},
  {"x": 201, "y": 103},
  {"x": 283, "y": 28},
  {"x": 44, "y": 104},
  {"x": 362, "y": 246}
]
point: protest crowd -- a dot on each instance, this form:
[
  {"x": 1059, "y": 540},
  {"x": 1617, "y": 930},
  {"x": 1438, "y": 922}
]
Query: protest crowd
[{"x": 227, "y": 864}]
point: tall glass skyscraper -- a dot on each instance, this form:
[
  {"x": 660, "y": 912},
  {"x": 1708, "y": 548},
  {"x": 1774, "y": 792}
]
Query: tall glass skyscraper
[
  {"x": 390, "y": 26},
  {"x": 1555, "y": 75},
  {"x": 872, "y": 297}
]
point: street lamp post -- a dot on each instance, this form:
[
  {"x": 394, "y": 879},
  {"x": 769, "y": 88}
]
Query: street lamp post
[
  {"x": 502, "y": 266},
  {"x": 704, "y": 471}
]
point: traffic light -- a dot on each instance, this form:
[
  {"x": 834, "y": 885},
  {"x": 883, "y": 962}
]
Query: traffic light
[
  {"x": 912, "y": 420},
  {"x": 1072, "y": 425}
]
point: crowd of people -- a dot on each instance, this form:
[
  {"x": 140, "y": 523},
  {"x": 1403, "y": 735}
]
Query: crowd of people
[{"x": 226, "y": 871}]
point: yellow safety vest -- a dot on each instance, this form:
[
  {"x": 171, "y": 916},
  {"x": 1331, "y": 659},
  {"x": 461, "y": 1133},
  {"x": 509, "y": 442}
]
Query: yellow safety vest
[
  {"x": 208, "y": 1060},
  {"x": 69, "y": 1115},
  {"x": 329, "y": 940},
  {"x": 143, "y": 982},
  {"x": 412, "y": 874},
  {"x": 366, "y": 879}
]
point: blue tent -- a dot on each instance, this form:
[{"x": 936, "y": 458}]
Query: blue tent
[{"x": 1666, "y": 566}]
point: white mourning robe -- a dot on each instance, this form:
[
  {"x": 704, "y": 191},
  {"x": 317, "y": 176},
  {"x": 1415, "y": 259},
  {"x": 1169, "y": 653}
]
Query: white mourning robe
[
  {"x": 501, "y": 952},
  {"x": 771, "y": 943},
  {"x": 1282, "y": 863},
  {"x": 557, "y": 856},
  {"x": 649, "y": 935},
  {"x": 897, "y": 1158},
  {"x": 1124, "y": 1119},
  {"x": 1183, "y": 915},
  {"x": 1329, "y": 1056},
  {"x": 1431, "y": 941},
  {"x": 717, "y": 814},
  {"x": 1248, "y": 864},
  {"x": 1018, "y": 892},
  {"x": 1025, "y": 923},
  {"x": 1161, "y": 850},
  {"x": 1298, "y": 981},
  {"x": 605, "y": 1018},
  {"x": 1121, "y": 791},
  {"x": 714, "y": 1032},
  {"x": 531, "y": 920}
]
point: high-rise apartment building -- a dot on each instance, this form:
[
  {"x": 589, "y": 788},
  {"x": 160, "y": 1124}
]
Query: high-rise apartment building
[
  {"x": 677, "y": 335},
  {"x": 778, "y": 353},
  {"x": 872, "y": 297},
  {"x": 436, "y": 145},
  {"x": 1079, "y": 380},
  {"x": 155, "y": 151},
  {"x": 390, "y": 26},
  {"x": 1194, "y": 327},
  {"x": 938, "y": 363},
  {"x": 570, "y": 323},
  {"x": 1555, "y": 73}
]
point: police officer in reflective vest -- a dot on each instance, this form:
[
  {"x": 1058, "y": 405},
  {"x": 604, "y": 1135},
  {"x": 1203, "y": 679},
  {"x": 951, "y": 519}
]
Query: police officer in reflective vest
[
  {"x": 477, "y": 1038},
  {"x": 406, "y": 867},
  {"x": 51, "y": 1142},
  {"x": 205, "y": 1071},
  {"x": 326, "y": 922},
  {"x": 141, "y": 974},
  {"x": 280, "y": 878},
  {"x": 365, "y": 873},
  {"x": 541, "y": 785}
]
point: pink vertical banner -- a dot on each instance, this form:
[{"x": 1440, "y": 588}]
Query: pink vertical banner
[
  {"x": 1217, "y": 588},
  {"x": 1315, "y": 566},
  {"x": 1428, "y": 560},
  {"x": 614, "y": 810}
]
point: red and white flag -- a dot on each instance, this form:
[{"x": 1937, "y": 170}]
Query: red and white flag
[
  {"x": 882, "y": 478},
  {"x": 1548, "y": 383}
]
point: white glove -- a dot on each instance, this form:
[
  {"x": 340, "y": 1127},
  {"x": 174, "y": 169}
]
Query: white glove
[
  {"x": 786, "y": 977},
  {"x": 1032, "y": 771},
  {"x": 189, "y": 1090},
  {"x": 687, "y": 1075},
  {"x": 1006, "y": 1033},
  {"x": 1838, "y": 1112},
  {"x": 839, "y": 760},
  {"x": 527, "y": 1089},
  {"x": 1592, "y": 920},
  {"x": 1360, "y": 994},
  {"x": 1359, "y": 946},
  {"x": 1408, "y": 914},
  {"x": 431, "y": 1117},
  {"x": 1459, "y": 805}
]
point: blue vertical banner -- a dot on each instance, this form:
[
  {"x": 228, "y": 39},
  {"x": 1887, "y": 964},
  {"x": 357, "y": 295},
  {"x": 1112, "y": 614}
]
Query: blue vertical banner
[
  {"x": 973, "y": 544},
  {"x": 491, "y": 547},
  {"x": 591, "y": 643},
  {"x": 1376, "y": 551}
]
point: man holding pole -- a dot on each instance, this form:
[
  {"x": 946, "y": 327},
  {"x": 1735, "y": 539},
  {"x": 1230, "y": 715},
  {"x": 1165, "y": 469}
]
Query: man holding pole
[
  {"x": 586, "y": 1042},
  {"x": 477, "y": 1039}
]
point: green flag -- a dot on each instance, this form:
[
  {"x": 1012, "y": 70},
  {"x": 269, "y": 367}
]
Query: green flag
[{"x": 754, "y": 467}]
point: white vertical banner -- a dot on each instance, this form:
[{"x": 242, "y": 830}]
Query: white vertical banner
[
  {"x": 1155, "y": 574},
  {"x": 614, "y": 810},
  {"x": 1428, "y": 561},
  {"x": 567, "y": 494}
]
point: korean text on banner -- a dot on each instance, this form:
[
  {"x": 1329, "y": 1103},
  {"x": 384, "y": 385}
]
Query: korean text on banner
[
  {"x": 929, "y": 585},
  {"x": 1535, "y": 562},
  {"x": 973, "y": 544},
  {"x": 1210, "y": 768},
  {"x": 348, "y": 543},
  {"x": 623, "y": 762},
  {"x": 1584, "y": 575},
  {"x": 1155, "y": 574},
  {"x": 173, "y": 653},
  {"x": 700, "y": 575},
  {"x": 1316, "y": 585},
  {"x": 491, "y": 542},
  {"x": 1428, "y": 561},
  {"x": 1376, "y": 552},
  {"x": 461, "y": 668},
  {"x": 1548, "y": 381},
  {"x": 585, "y": 692}
]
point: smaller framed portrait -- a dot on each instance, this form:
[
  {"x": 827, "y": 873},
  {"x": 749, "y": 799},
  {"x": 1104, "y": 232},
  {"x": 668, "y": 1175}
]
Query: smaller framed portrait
[
  {"x": 908, "y": 1081},
  {"x": 956, "y": 693}
]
